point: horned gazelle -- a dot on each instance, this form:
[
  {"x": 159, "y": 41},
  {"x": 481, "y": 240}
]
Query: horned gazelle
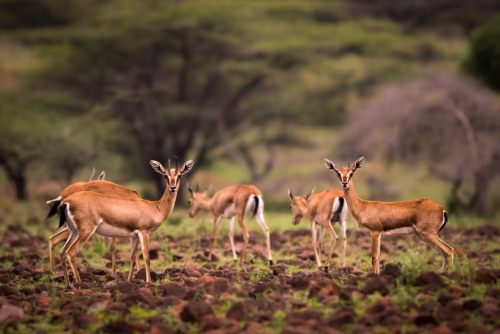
[
  {"x": 227, "y": 203},
  {"x": 100, "y": 186},
  {"x": 322, "y": 209},
  {"x": 423, "y": 217},
  {"x": 88, "y": 212}
]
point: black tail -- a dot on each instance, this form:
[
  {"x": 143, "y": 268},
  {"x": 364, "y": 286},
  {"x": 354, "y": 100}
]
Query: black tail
[
  {"x": 53, "y": 209},
  {"x": 256, "y": 206},
  {"x": 445, "y": 220},
  {"x": 62, "y": 211},
  {"x": 335, "y": 216}
]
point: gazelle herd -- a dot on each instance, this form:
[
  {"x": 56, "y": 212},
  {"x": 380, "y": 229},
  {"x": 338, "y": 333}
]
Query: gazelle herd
[{"x": 114, "y": 211}]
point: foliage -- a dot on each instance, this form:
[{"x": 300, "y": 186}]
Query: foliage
[{"x": 484, "y": 55}]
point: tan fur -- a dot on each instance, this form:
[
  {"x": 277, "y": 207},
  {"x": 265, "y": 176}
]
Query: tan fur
[
  {"x": 220, "y": 205},
  {"x": 318, "y": 209},
  {"x": 103, "y": 187},
  {"x": 423, "y": 216},
  {"x": 89, "y": 212}
]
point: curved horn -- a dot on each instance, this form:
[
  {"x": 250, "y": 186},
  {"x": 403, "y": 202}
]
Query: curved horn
[
  {"x": 169, "y": 162},
  {"x": 348, "y": 165},
  {"x": 340, "y": 165},
  {"x": 176, "y": 163},
  {"x": 197, "y": 187}
]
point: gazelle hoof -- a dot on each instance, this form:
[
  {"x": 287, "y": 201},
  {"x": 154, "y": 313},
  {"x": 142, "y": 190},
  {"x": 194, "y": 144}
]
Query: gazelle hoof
[
  {"x": 270, "y": 262},
  {"x": 326, "y": 269}
]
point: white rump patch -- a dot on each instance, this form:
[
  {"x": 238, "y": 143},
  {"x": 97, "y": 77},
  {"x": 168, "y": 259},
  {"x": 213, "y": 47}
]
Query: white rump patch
[{"x": 399, "y": 232}]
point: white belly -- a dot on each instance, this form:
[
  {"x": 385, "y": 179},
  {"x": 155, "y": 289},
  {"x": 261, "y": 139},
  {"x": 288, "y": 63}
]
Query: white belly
[
  {"x": 230, "y": 211},
  {"x": 112, "y": 231},
  {"x": 398, "y": 232}
]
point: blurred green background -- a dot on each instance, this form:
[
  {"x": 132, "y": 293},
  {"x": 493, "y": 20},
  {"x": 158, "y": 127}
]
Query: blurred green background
[{"x": 255, "y": 92}]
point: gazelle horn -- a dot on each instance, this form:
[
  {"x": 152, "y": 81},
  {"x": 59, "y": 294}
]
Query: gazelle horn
[
  {"x": 169, "y": 162},
  {"x": 348, "y": 165},
  {"x": 176, "y": 163}
]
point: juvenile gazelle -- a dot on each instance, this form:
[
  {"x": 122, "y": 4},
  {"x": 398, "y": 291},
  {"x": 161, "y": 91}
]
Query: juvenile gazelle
[
  {"x": 88, "y": 212},
  {"x": 422, "y": 216},
  {"x": 99, "y": 186},
  {"x": 227, "y": 203},
  {"x": 322, "y": 209}
]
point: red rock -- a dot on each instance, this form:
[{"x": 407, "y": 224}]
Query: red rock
[
  {"x": 195, "y": 311},
  {"x": 341, "y": 317},
  {"x": 208, "y": 322},
  {"x": 5, "y": 278},
  {"x": 43, "y": 301},
  {"x": 375, "y": 283},
  {"x": 191, "y": 272},
  {"x": 206, "y": 278},
  {"x": 485, "y": 276},
  {"x": 457, "y": 291},
  {"x": 278, "y": 269},
  {"x": 324, "y": 288},
  {"x": 231, "y": 326}
]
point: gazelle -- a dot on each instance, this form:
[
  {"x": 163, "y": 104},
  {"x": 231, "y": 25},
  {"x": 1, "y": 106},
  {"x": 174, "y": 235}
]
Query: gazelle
[
  {"x": 227, "y": 203},
  {"x": 100, "y": 186},
  {"x": 422, "y": 216},
  {"x": 88, "y": 212},
  {"x": 322, "y": 209}
]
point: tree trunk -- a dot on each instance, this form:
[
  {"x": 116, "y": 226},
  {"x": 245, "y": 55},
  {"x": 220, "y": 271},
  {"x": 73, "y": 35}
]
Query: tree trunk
[{"x": 479, "y": 201}]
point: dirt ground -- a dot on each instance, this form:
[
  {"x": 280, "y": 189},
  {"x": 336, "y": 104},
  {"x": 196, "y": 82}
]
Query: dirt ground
[{"x": 191, "y": 295}]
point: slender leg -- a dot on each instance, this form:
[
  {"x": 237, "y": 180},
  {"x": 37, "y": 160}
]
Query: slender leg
[
  {"x": 321, "y": 239},
  {"x": 62, "y": 254},
  {"x": 231, "y": 237},
  {"x": 212, "y": 237},
  {"x": 112, "y": 249},
  {"x": 80, "y": 240},
  {"x": 144, "y": 240},
  {"x": 137, "y": 261},
  {"x": 63, "y": 234},
  {"x": 343, "y": 228},
  {"x": 334, "y": 241},
  {"x": 442, "y": 247},
  {"x": 134, "y": 242},
  {"x": 241, "y": 221},
  {"x": 315, "y": 244},
  {"x": 376, "y": 251},
  {"x": 260, "y": 219}
]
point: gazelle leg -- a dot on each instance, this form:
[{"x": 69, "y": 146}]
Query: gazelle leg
[
  {"x": 80, "y": 240},
  {"x": 334, "y": 241},
  {"x": 376, "y": 251},
  {"x": 442, "y": 247},
  {"x": 343, "y": 229},
  {"x": 212, "y": 236},
  {"x": 63, "y": 234},
  {"x": 134, "y": 242},
  {"x": 144, "y": 240},
  {"x": 62, "y": 254},
  {"x": 137, "y": 261},
  {"x": 315, "y": 244},
  {"x": 241, "y": 221},
  {"x": 231, "y": 237},
  {"x": 112, "y": 249},
  {"x": 321, "y": 239},
  {"x": 260, "y": 219}
]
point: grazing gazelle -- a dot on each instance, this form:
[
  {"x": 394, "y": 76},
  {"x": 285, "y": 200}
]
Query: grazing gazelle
[
  {"x": 88, "y": 212},
  {"x": 227, "y": 203},
  {"x": 99, "y": 186},
  {"x": 322, "y": 209},
  {"x": 422, "y": 216}
]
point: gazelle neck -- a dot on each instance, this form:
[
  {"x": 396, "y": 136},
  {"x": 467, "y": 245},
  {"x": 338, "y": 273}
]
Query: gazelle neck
[
  {"x": 354, "y": 203},
  {"x": 166, "y": 203},
  {"x": 204, "y": 202}
]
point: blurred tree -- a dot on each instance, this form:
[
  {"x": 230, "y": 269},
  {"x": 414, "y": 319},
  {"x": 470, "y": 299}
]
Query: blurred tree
[
  {"x": 484, "y": 57},
  {"x": 450, "y": 123}
]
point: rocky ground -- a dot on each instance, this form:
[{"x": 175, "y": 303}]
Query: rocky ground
[{"x": 192, "y": 295}]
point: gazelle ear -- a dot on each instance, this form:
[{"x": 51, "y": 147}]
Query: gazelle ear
[
  {"x": 207, "y": 190},
  {"x": 309, "y": 194},
  {"x": 359, "y": 163},
  {"x": 102, "y": 176},
  {"x": 189, "y": 189},
  {"x": 291, "y": 195},
  {"x": 157, "y": 167},
  {"x": 188, "y": 165},
  {"x": 330, "y": 165}
]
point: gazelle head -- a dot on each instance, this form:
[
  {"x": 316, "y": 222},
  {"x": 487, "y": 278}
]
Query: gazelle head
[
  {"x": 299, "y": 205},
  {"x": 345, "y": 173},
  {"x": 172, "y": 175},
  {"x": 196, "y": 199}
]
